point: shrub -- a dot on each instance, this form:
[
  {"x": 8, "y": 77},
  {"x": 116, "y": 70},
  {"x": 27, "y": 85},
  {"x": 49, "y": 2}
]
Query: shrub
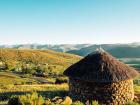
[
  {"x": 13, "y": 101},
  {"x": 77, "y": 103},
  {"x": 28, "y": 99},
  {"x": 131, "y": 103},
  {"x": 95, "y": 102},
  {"x": 40, "y": 100},
  {"x": 48, "y": 102},
  {"x": 26, "y": 76},
  {"x": 35, "y": 99},
  {"x": 61, "y": 80}
]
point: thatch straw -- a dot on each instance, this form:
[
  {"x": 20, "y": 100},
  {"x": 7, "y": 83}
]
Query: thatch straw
[{"x": 100, "y": 66}]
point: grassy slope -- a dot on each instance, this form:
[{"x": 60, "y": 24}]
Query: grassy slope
[
  {"x": 11, "y": 79},
  {"x": 49, "y": 56},
  {"x": 60, "y": 60}
]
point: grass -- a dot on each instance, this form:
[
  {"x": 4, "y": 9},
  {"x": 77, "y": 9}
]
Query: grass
[
  {"x": 3, "y": 102},
  {"x": 137, "y": 85},
  {"x": 11, "y": 79},
  {"x": 51, "y": 62},
  {"x": 36, "y": 87},
  {"x": 137, "y": 89},
  {"x": 48, "y": 56},
  {"x": 8, "y": 87},
  {"x": 46, "y": 90}
]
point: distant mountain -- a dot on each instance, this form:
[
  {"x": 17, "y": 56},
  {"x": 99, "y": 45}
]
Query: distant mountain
[
  {"x": 126, "y": 52},
  {"x": 135, "y": 43},
  {"x": 59, "y": 48},
  {"x": 85, "y": 51},
  {"x": 117, "y": 50}
]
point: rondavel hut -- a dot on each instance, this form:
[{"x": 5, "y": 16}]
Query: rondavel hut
[{"x": 100, "y": 76}]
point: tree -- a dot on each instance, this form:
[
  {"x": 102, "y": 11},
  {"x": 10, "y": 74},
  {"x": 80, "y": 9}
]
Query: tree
[
  {"x": 22, "y": 62},
  {"x": 3, "y": 60}
]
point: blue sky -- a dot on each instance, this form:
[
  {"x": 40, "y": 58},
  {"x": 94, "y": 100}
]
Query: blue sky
[{"x": 69, "y": 21}]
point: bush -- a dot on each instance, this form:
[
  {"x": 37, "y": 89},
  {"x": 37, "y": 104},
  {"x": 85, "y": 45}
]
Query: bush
[
  {"x": 26, "y": 76},
  {"x": 131, "y": 103},
  {"x": 35, "y": 99},
  {"x": 48, "y": 102},
  {"x": 95, "y": 102},
  {"x": 13, "y": 101},
  {"x": 77, "y": 103},
  {"x": 61, "y": 80},
  {"x": 28, "y": 99},
  {"x": 40, "y": 100}
]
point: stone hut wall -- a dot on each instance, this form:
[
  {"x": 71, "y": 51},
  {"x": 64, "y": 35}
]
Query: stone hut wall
[{"x": 109, "y": 94}]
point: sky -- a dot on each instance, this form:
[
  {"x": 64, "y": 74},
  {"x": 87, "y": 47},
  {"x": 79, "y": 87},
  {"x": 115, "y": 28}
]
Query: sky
[{"x": 69, "y": 21}]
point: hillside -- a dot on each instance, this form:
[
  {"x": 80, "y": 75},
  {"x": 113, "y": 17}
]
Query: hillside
[
  {"x": 119, "y": 51},
  {"x": 26, "y": 70},
  {"x": 126, "y": 52},
  {"x": 56, "y": 60}
]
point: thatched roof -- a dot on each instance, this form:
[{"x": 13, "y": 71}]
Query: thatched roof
[{"x": 100, "y": 66}]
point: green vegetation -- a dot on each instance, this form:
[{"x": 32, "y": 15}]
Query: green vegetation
[
  {"x": 61, "y": 80},
  {"x": 28, "y": 99},
  {"x": 35, "y": 62},
  {"x": 36, "y": 99},
  {"x": 77, "y": 103},
  {"x": 25, "y": 71},
  {"x": 11, "y": 84},
  {"x": 137, "y": 88},
  {"x": 47, "y": 91},
  {"x": 132, "y": 103},
  {"x": 12, "y": 79},
  {"x": 95, "y": 102}
]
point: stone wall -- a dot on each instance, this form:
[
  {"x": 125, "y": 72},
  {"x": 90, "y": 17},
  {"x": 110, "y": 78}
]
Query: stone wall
[{"x": 109, "y": 94}]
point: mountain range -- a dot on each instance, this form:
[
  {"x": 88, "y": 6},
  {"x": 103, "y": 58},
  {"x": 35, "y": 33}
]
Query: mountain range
[
  {"x": 59, "y": 48},
  {"x": 130, "y": 50}
]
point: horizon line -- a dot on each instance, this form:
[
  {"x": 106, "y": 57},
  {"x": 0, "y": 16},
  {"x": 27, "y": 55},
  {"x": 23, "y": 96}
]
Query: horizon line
[{"x": 67, "y": 43}]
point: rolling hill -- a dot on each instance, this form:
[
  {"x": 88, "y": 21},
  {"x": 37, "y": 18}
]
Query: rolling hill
[
  {"x": 125, "y": 52},
  {"x": 57, "y": 59}
]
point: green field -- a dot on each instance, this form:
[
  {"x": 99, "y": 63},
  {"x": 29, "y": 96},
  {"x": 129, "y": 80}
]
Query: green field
[{"x": 12, "y": 84}]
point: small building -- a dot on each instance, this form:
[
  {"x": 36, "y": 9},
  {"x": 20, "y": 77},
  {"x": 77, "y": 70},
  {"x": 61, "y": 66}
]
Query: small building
[{"x": 100, "y": 76}]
